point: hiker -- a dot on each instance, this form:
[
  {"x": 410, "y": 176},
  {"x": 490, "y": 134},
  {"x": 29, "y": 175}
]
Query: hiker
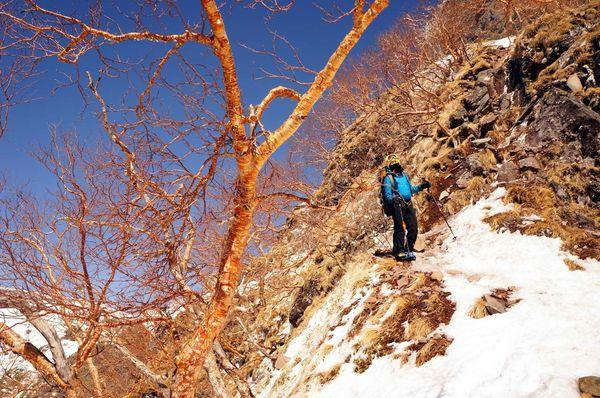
[{"x": 396, "y": 195}]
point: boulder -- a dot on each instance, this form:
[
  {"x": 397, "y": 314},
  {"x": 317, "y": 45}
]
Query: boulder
[
  {"x": 486, "y": 124},
  {"x": 480, "y": 142},
  {"x": 485, "y": 75},
  {"x": 574, "y": 83},
  {"x": 457, "y": 118},
  {"x": 508, "y": 172},
  {"x": 494, "y": 305},
  {"x": 593, "y": 190},
  {"x": 475, "y": 165},
  {"x": 467, "y": 130},
  {"x": 281, "y": 360},
  {"x": 504, "y": 101},
  {"x": 590, "y": 385},
  {"x": 529, "y": 163},
  {"x": 561, "y": 116},
  {"x": 464, "y": 179},
  {"x": 478, "y": 100},
  {"x": 420, "y": 244},
  {"x": 481, "y": 162}
]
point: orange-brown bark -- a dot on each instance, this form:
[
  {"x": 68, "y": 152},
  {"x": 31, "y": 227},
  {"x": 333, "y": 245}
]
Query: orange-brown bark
[
  {"x": 70, "y": 38},
  {"x": 35, "y": 357},
  {"x": 191, "y": 358},
  {"x": 321, "y": 83}
]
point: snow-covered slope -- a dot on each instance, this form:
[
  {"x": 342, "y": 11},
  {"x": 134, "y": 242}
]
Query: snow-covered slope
[{"x": 539, "y": 347}]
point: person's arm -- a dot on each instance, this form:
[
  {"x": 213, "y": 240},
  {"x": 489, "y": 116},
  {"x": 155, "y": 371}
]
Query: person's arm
[
  {"x": 418, "y": 188},
  {"x": 413, "y": 188},
  {"x": 388, "y": 193}
]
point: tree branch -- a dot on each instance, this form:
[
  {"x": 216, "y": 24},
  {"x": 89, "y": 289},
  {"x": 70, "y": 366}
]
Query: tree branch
[
  {"x": 34, "y": 356},
  {"x": 157, "y": 72},
  {"x": 277, "y": 92},
  {"x": 293, "y": 197},
  {"x": 222, "y": 49},
  {"x": 322, "y": 81}
]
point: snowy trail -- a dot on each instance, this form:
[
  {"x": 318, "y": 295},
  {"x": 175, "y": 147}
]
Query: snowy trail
[{"x": 538, "y": 348}]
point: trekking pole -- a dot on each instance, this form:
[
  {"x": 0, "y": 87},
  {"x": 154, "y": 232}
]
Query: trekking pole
[{"x": 442, "y": 213}]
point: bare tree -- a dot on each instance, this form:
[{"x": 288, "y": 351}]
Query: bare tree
[{"x": 149, "y": 212}]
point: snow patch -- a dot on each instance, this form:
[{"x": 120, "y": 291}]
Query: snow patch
[
  {"x": 505, "y": 42},
  {"x": 538, "y": 348}
]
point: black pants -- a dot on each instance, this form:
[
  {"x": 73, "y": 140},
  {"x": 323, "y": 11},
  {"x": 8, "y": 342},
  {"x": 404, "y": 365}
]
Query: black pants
[{"x": 404, "y": 213}]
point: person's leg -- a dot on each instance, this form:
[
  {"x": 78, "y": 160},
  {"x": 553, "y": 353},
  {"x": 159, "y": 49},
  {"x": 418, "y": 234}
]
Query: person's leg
[
  {"x": 410, "y": 219},
  {"x": 398, "y": 231}
]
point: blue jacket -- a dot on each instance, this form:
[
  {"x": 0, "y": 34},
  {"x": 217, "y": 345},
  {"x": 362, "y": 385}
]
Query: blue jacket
[{"x": 402, "y": 184}]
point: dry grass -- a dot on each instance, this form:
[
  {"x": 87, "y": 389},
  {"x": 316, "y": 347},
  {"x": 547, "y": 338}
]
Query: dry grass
[
  {"x": 554, "y": 31},
  {"x": 362, "y": 363},
  {"x": 476, "y": 188},
  {"x": 326, "y": 377},
  {"x": 572, "y": 265},
  {"x": 419, "y": 328},
  {"x": 478, "y": 309},
  {"x": 569, "y": 221},
  {"x": 416, "y": 313},
  {"x": 370, "y": 307},
  {"x": 434, "y": 347},
  {"x": 417, "y": 282}
]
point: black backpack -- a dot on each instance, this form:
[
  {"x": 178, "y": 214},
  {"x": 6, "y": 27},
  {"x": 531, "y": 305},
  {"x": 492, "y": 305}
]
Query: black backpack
[{"x": 388, "y": 208}]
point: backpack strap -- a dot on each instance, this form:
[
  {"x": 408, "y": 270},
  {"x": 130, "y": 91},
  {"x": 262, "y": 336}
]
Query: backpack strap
[{"x": 394, "y": 182}]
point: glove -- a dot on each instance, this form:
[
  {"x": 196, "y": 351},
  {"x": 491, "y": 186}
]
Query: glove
[{"x": 426, "y": 184}]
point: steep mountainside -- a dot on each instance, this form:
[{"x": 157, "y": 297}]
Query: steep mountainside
[
  {"x": 505, "y": 305},
  {"x": 505, "y": 309}
]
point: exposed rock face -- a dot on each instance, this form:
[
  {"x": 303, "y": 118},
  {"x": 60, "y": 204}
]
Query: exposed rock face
[
  {"x": 508, "y": 119},
  {"x": 561, "y": 116},
  {"x": 304, "y": 298},
  {"x": 477, "y": 102},
  {"x": 508, "y": 172},
  {"x": 529, "y": 163}
]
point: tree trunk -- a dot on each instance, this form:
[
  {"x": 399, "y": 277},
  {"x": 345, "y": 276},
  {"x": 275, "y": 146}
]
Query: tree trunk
[
  {"x": 54, "y": 343},
  {"x": 35, "y": 357},
  {"x": 190, "y": 360},
  {"x": 192, "y": 355},
  {"x": 96, "y": 381},
  {"x": 215, "y": 377}
]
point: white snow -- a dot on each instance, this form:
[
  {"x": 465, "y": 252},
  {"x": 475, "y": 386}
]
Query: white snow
[
  {"x": 505, "y": 42},
  {"x": 445, "y": 62},
  {"x": 538, "y": 348}
]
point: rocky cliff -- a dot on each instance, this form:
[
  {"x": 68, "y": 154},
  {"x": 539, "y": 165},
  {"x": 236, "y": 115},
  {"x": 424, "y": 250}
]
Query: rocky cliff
[{"x": 504, "y": 309}]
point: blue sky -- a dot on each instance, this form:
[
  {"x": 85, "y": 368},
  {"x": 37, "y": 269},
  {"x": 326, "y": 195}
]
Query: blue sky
[{"x": 303, "y": 26}]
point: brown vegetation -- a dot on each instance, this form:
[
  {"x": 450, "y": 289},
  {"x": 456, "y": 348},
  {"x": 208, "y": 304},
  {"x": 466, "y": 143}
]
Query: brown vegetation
[
  {"x": 573, "y": 223},
  {"x": 572, "y": 265},
  {"x": 330, "y": 375},
  {"x": 421, "y": 305},
  {"x": 406, "y": 101},
  {"x": 432, "y": 348}
]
